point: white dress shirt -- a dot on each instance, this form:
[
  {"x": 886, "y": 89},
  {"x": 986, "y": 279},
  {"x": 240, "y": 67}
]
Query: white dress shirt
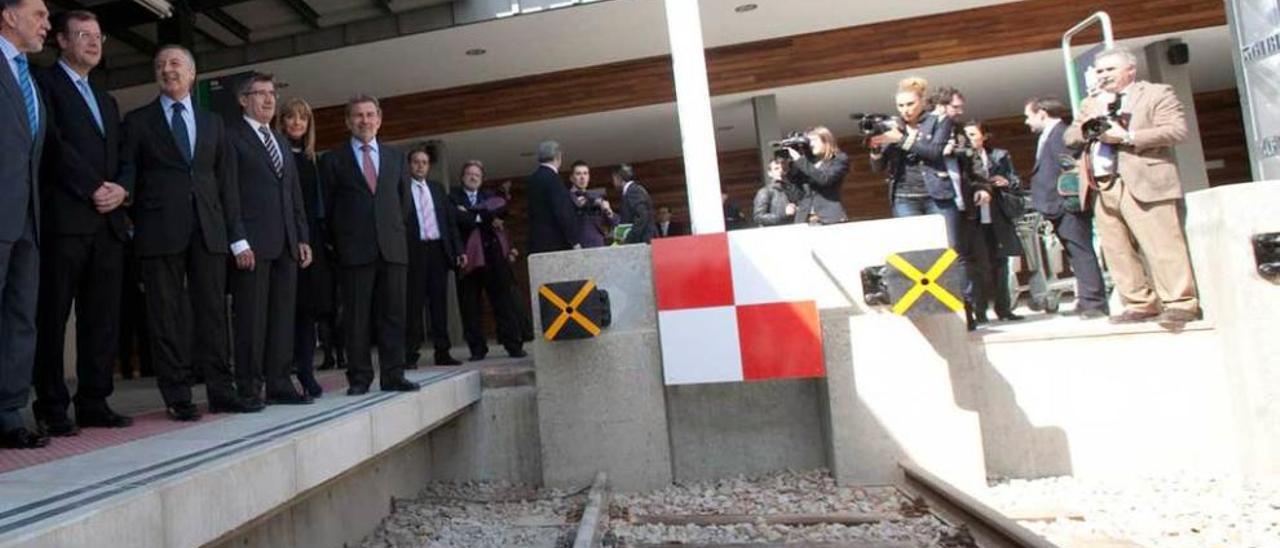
[{"x": 373, "y": 151}]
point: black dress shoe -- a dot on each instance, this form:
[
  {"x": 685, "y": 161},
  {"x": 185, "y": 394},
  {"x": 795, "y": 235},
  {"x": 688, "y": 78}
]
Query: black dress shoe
[
  {"x": 517, "y": 352},
  {"x": 446, "y": 359},
  {"x": 475, "y": 357},
  {"x": 357, "y": 389},
  {"x": 104, "y": 418},
  {"x": 399, "y": 385},
  {"x": 411, "y": 361},
  {"x": 20, "y": 438},
  {"x": 60, "y": 427},
  {"x": 289, "y": 398},
  {"x": 1009, "y": 317},
  {"x": 236, "y": 405},
  {"x": 183, "y": 412},
  {"x": 312, "y": 388}
]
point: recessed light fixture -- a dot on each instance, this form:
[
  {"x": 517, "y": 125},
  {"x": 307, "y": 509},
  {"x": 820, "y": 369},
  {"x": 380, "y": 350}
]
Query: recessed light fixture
[
  {"x": 724, "y": 128},
  {"x": 745, "y": 8},
  {"x": 476, "y": 52}
]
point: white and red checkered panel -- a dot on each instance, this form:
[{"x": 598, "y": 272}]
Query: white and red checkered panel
[{"x": 736, "y": 307}]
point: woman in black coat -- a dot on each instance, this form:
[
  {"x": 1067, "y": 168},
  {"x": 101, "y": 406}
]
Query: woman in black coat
[
  {"x": 998, "y": 219},
  {"x": 317, "y": 284},
  {"x": 819, "y": 176}
]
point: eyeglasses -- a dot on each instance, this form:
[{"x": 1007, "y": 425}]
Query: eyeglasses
[
  {"x": 263, "y": 93},
  {"x": 88, "y": 37}
]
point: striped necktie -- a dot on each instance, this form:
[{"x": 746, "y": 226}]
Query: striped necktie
[
  {"x": 272, "y": 151},
  {"x": 28, "y": 93}
]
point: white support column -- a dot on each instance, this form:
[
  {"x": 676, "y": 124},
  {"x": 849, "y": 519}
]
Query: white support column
[
  {"x": 693, "y": 105},
  {"x": 1189, "y": 154},
  {"x": 765, "y": 108}
]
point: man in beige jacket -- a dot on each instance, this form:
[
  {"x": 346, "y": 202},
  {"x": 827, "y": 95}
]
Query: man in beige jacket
[{"x": 1137, "y": 207}]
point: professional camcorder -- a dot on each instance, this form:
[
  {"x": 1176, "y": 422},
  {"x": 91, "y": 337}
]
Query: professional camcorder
[
  {"x": 593, "y": 199},
  {"x": 870, "y": 125},
  {"x": 1093, "y": 128},
  {"x": 796, "y": 141}
]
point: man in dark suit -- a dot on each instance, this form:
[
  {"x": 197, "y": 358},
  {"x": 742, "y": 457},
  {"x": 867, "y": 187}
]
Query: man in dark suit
[
  {"x": 552, "y": 223},
  {"x": 1074, "y": 228},
  {"x": 368, "y": 202},
  {"x": 480, "y": 226},
  {"x": 434, "y": 249},
  {"x": 23, "y": 26},
  {"x": 666, "y": 226},
  {"x": 265, "y": 283},
  {"x": 637, "y": 208},
  {"x": 186, "y": 214},
  {"x": 82, "y": 256}
]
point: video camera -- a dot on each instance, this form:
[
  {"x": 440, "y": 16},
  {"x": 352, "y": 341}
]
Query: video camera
[
  {"x": 1093, "y": 128},
  {"x": 593, "y": 199},
  {"x": 870, "y": 125},
  {"x": 796, "y": 141}
]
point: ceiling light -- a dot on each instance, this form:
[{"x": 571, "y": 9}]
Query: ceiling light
[
  {"x": 476, "y": 52},
  {"x": 161, "y": 8},
  {"x": 745, "y": 8}
]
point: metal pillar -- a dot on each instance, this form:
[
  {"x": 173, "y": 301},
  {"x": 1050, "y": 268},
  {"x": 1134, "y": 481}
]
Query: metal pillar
[
  {"x": 765, "y": 109},
  {"x": 1189, "y": 154}
]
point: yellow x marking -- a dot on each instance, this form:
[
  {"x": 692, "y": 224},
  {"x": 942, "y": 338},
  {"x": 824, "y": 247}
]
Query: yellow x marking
[
  {"x": 927, "y": 281},
  {"x": 565, "y": 308}
]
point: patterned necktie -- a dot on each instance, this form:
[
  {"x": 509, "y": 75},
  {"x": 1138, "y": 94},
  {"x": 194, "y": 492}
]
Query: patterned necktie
[
  {"x": 28, "y": 93},
  {"x": 370, "y": 173},
  {"x": 277, "y": 163},
  {"x": 179, "y": 126},
  {"x": 427, "y": 215},
  {"x": 87, "y": 93}
]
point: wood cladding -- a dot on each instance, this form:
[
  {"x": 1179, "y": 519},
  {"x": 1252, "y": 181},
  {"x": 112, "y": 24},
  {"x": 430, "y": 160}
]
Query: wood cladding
[{"x": 978, "y": 33}]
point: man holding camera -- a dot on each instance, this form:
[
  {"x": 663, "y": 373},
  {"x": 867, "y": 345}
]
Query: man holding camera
[
  {"x": 595, "y": 216},
  {"x": 1139, "y": 193}
]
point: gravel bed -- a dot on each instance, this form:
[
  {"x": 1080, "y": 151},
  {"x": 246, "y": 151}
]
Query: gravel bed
[
  {"x": 481, "y": 514},
  {"x": 1164, "y": 512},
  {"x": 812, "y": 492}
]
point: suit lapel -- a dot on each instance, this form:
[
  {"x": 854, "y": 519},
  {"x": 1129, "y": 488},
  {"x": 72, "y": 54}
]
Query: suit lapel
[
  {"x": 247, "y": 132},
  {"x": 10, "y": 85},
  {"x": 159, "y": 123},
  {"x": 350, "y": 155},
  {"x": 384, "y": 167},
  {"x": 63, "y": 79}
]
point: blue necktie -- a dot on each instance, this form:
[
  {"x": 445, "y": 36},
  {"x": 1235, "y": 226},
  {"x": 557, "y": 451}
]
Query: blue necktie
[
  {"x": 179, "y": 127},
  {"x": 87, "y": 93},
  {"x": 28, "y": 93}
]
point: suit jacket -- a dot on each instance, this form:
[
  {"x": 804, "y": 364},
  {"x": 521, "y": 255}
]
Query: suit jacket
[
  {"x": 1157, "y": 124},
  {"x": 445, "y": 220},
  {"x": 1007, "y": 242},
  {"x": 821, "y": 186},
  {"x": 769, "y": 207},
  {"x": 78, "y": 157},
  {"x": 674, "y": 228},
  {"x": 20, "y": 155},
  {"x": 165, "y": 185},
  {"x": 931, "y": 140},
  {"x": 552, "y": 224},
  {"x": 465, "y": 216},
  {"x": 272, "y": 207},
  {"x": 637, "y": 209},
  {"x": 1044, "y": 176},
  {"x": 363, "y": 225}
]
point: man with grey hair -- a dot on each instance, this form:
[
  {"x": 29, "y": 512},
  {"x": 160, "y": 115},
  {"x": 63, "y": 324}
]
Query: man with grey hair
[
  {"x": 186, "y": 216},
  {"x": 1139, "y": 194},
  {"x": 368, "y": 202},
  {"x": 552, "y": 224}
]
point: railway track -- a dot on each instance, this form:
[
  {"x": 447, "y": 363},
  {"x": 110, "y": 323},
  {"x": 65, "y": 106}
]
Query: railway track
[{"x": 988, "y": 527}]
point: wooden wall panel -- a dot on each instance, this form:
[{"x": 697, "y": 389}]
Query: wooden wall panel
[{"x": 977, "y": 33}]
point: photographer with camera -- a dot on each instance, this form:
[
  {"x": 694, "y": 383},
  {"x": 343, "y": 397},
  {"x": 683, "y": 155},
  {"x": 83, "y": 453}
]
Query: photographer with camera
[
  {"x": 997, "y": 221},
  {"x": 595, "y": 217},
  {"x": 772, "y": 206},
  {"x": 1128, "y": 158},
  {"x": 818, "y": 169}
]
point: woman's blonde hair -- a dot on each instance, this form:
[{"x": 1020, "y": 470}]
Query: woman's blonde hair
[
  {"x": 828, "y": 139},
  {"x": 914, "y": 84},
  {"x": 295, "y": 106}
]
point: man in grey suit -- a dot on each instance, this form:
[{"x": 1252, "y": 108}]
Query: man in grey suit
[
  {"x": 637, "y": 208},
  {"x": 23, "y": 27},
  {"x": 265, "y": 282}
]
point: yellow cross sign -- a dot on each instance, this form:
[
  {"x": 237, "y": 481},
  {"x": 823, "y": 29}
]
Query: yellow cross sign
[
  {"x": 569, "y": 311},
  {"x": 925, "y": 282}
]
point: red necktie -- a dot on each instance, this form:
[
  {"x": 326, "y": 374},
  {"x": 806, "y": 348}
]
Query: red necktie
[{"x": 370, "y": 173}]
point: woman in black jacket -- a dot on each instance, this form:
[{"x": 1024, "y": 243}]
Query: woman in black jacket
[
  {"x": 819, "y": 176},
  {"x": 998, "y": 220}
]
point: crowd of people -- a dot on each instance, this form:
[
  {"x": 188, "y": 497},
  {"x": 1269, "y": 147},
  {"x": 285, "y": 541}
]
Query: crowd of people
[{"x": 147, "y": 221}]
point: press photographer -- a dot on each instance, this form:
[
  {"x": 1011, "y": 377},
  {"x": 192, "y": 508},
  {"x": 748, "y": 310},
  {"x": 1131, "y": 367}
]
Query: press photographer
[
  {"x": 817, "y": 171},
  {"x": 912, "y": 153}
]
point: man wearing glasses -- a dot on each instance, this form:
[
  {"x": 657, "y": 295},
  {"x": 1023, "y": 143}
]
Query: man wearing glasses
[{"x": 82, "y": 256}]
